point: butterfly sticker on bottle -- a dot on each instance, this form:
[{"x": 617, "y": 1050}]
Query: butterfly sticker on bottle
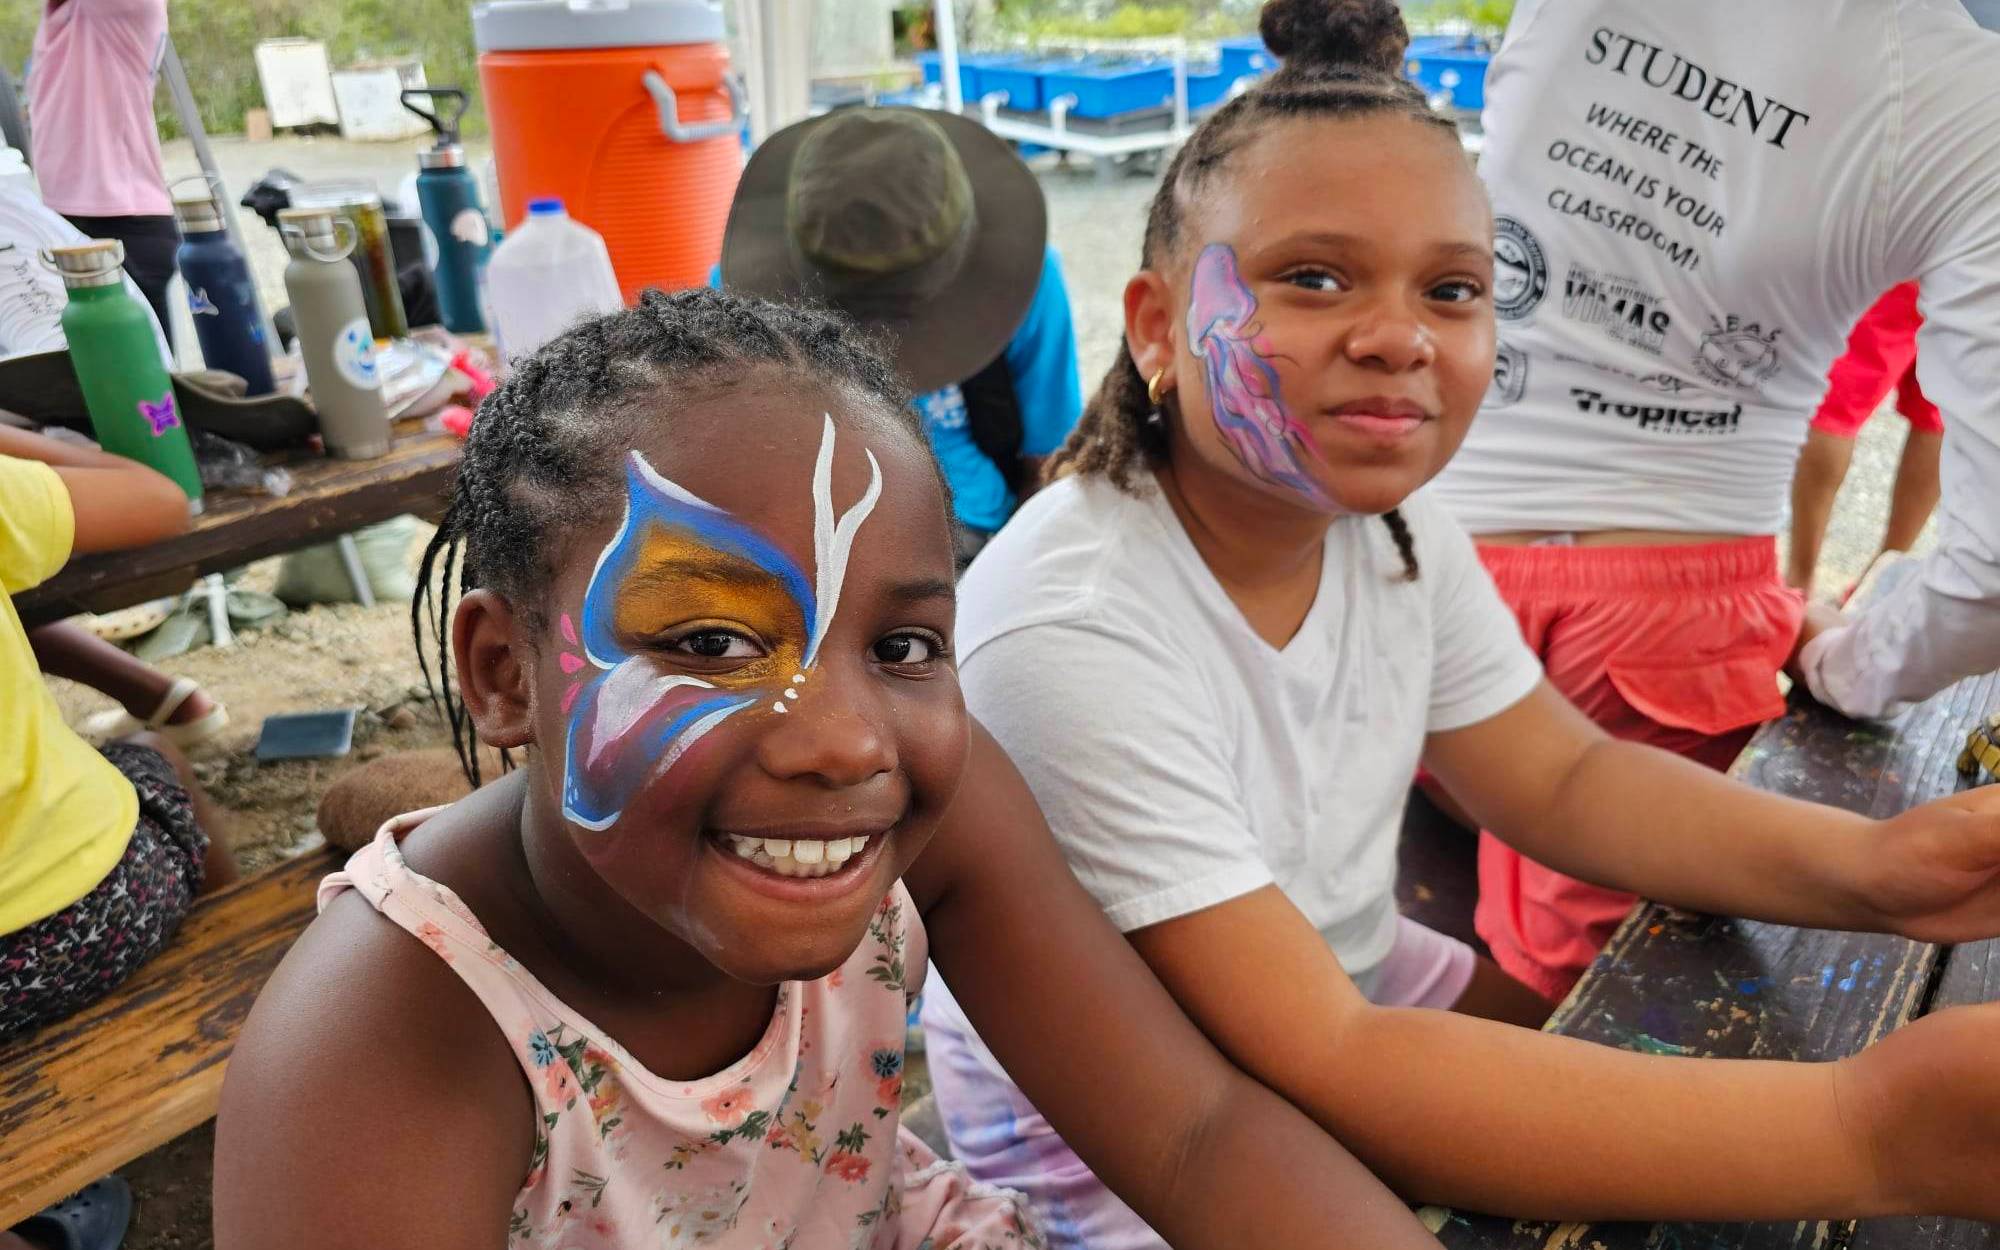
[{"x": 161, "y": 416}]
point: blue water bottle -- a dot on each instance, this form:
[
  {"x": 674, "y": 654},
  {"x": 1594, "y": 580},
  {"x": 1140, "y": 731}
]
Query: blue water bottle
[
  {"x": 449, "y": 197},
  {"x": 221, "y": 296}
]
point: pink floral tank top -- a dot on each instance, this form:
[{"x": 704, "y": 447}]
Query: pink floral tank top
[{"x": 797, "y": 1145}]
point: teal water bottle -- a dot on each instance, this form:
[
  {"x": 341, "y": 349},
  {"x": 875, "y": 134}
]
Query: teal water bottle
[
  {"x": 448, "y": 195},
  {"x": 126, "y": 388}
]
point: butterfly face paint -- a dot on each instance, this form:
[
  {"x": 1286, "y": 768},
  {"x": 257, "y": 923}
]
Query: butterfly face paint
[
  {"x": 678, "y": 558},
  {"x": 1242, "y": 385}
]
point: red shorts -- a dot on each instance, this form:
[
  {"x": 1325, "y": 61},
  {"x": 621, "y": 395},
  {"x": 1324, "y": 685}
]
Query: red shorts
[
  {"x": 1676, "y": 647},
  {"x": 1881, "y": 355}
]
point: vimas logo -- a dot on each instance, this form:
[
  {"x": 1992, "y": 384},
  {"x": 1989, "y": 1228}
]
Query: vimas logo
[{"x": 1627, "y": 312}]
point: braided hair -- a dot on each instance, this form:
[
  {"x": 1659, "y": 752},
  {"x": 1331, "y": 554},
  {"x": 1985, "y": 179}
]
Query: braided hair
[
  {"x": 542, "y": 457},
  {"x": 1342, "y": 58}
]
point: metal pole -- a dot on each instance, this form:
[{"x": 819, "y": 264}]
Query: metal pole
[
  {"x": 12, "y": 126},
  {"x": 946, "y": 21},
  {"x": 184, "y": 107}
]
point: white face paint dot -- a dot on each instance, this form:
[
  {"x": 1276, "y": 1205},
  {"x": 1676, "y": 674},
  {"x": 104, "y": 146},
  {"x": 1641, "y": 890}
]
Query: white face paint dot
[
  {"x": 778, "y": 707},
  {"x": 791, "y": 694},
  {"x": 797, "y": 678}
]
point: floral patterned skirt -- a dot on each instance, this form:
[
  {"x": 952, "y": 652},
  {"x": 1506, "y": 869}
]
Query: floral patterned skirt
[{"x": 61, "y": 964}]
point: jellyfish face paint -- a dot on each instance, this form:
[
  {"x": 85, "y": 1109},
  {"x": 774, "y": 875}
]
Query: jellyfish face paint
[
  {"x": 1243, "y": 393},
  {"x": 677, "y": 558}
]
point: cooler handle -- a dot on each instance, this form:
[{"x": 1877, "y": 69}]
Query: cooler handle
[{"x": 670, "y": 114}]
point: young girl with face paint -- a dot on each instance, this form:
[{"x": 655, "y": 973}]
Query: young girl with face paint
[
  {"x": 649, "y": 989},
  {"x": 1218, "y": 647}
]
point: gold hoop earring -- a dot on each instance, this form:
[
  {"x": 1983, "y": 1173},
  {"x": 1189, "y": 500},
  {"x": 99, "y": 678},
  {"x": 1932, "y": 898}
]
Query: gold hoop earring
[{"x": 1153, "y": 388}]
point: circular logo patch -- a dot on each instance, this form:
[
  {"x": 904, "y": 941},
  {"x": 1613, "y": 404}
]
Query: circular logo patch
[
  {"x": 1520, "y": 271},
  {"x": 354, "y": 355}
]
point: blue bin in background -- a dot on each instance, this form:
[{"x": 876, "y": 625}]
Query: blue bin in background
[
  {"x": 1207, "y": 88},
  {"x": 972, "y": 69},
  {"x": 1452, "y": 66},
  {"x": 1245, "y": 58},
  {"x": 1109, "y": 90},
  {"x": 1025, "y": 82}
]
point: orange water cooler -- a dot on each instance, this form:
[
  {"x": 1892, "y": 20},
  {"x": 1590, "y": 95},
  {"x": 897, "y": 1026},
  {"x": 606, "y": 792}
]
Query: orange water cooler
[{"x": 626, "y": 110}]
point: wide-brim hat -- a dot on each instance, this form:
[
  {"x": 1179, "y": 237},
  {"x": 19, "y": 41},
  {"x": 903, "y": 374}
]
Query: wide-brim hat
[{"x": 917, "y": 223}]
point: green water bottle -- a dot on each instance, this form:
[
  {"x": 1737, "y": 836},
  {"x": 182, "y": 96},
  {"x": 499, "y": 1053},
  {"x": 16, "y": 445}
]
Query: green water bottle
[{"x": 126, "y": 389}]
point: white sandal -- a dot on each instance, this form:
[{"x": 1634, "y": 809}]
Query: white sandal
[{"x": 105, "y": 726}]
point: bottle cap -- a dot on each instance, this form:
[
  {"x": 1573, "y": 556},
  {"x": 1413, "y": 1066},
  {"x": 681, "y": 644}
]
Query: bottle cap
[
  {"x": 547, "y": 206},
  {"x": 443, "y": 156},
  {"x": 315, "y": 232},
  {"x": 197, "y": 214},
  {"x": 95, "y": 263}
]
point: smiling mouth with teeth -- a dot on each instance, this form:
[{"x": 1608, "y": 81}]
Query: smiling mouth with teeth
[{"x": 798, "y": 857}]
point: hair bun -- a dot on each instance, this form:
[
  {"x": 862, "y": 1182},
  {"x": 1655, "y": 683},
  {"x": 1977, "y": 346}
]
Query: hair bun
[{"x": 1326, "y": 33}]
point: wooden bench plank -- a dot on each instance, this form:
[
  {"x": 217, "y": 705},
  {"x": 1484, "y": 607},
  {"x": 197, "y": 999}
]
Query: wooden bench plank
[
  {"x": 128, "y": 1074},
  {"x": 328, "y": 498},
  {"x": 1437, "y": 871},
  {"x": 1971, "y": 975},
  {"x": 1679, "y": 984}
]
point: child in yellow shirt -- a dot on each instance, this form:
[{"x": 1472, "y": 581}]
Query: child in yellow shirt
[{"x": 101, "y": 852}]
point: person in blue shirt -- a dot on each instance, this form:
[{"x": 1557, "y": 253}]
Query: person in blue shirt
[{"x": 927, "y": 228}]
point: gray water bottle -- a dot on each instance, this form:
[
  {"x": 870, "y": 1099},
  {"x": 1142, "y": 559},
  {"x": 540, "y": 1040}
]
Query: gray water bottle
[{"x": 332, "y": 323}]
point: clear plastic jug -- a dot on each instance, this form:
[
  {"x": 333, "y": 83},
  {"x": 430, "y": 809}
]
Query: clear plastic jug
[{"x": 544, "y": 277}]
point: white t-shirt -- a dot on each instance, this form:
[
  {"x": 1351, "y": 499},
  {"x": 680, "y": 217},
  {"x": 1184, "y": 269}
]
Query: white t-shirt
[
  {"x": 1695, "y": 202},
  {"x": 1180, "y": 759}
]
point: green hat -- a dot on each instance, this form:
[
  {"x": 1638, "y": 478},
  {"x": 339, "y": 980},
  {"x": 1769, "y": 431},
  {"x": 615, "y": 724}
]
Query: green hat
[{"x": 918, "y": 223}]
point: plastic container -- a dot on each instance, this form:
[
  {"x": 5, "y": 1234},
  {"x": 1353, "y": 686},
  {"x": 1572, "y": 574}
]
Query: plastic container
[
  {"x": 1450, "y": 66},
  {"x": 544, "y": 277},
  {"x": 126, "y": 390},
  {"x": 1246, "y": 58},
  {"x": 1025, "y": 82},
  {"x": 1207, "y": 88},
  {"x": 627, "y": 111},
  {"x": 972, "y": 71},
  {"x": 1108, "y": 90},
  {"x": 222, "y": 299}
]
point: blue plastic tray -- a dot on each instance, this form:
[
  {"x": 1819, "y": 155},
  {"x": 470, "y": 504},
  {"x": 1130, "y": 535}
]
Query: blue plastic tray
[
  {"x": 1206, "y": 89},
  {"x": 1025, "y": 82},
  {"x": 1243, "y": 58},
  {"x": 1448, "y": 65},
  {"x": 972, "y": 69},
  {"x": 1109, "y": 90}
]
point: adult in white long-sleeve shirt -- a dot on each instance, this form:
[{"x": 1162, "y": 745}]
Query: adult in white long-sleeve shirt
[
  {"x": 1694, "y": 204},
  {"x": 31, "y": 294}
]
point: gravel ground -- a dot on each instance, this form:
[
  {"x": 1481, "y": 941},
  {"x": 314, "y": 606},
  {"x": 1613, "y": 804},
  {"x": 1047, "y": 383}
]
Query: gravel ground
[{"x": 349, "y": 656}]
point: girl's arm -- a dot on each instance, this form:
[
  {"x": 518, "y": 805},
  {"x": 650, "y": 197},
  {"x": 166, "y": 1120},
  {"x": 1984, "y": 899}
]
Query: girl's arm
[
  {"x": 1489, "y": 1117},
  {"x": 379, "y": 1109},
  {"x": 1554, "y": 786},
  {"x": 1208, "y": 1157},
  {"x": 118, "y": 503}
]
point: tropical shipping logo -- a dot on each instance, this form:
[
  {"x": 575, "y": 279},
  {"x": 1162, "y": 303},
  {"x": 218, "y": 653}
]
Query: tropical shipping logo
[{"x": 1660, "y": 418}]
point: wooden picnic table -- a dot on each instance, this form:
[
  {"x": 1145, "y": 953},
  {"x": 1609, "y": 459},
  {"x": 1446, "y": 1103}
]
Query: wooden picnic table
[
  {"x": 1672, "y": 983},
  {"x": 328, "y": 498}
]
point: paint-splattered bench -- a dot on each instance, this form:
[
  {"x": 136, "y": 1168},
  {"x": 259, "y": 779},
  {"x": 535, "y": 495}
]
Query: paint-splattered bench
[
  {"x": 328, "y": 498},
  {"x": 1673, "y": 983},
  {"x": 87, "y": 1095}
]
